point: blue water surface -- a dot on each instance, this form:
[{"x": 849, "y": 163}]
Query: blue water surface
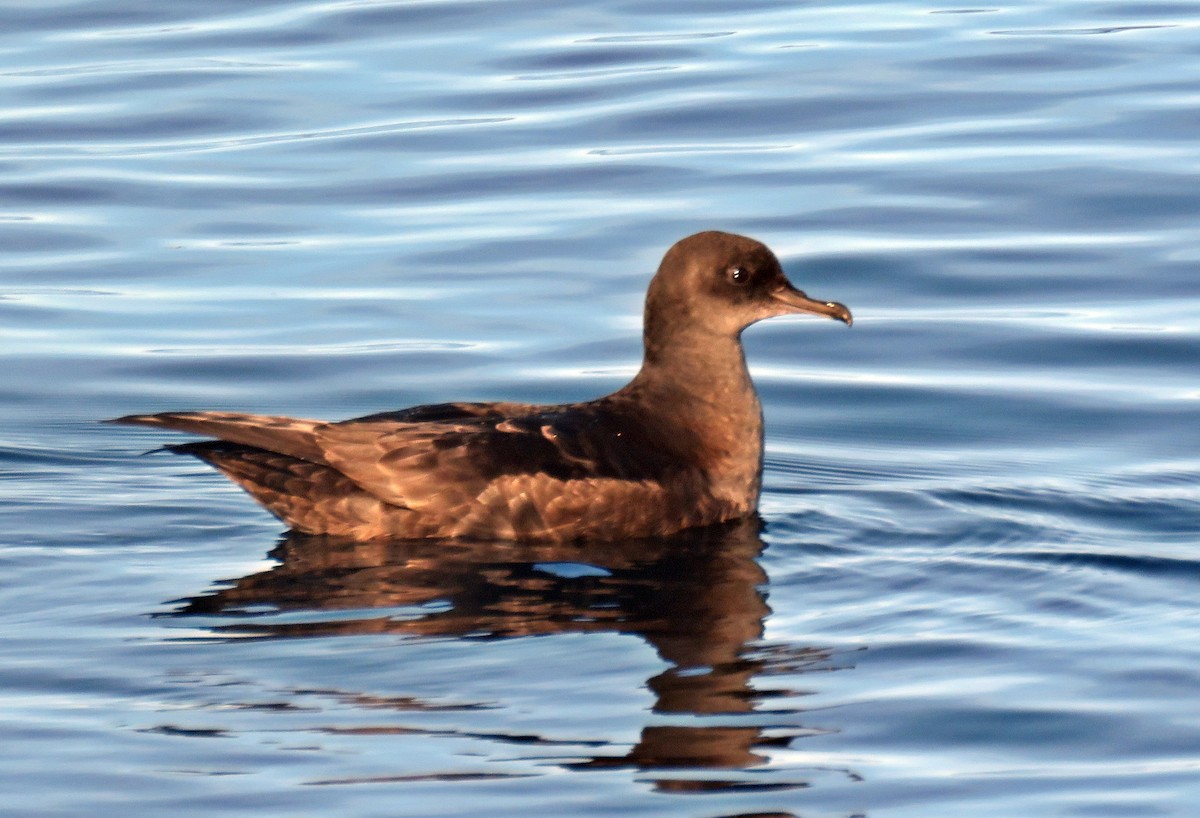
[{"x": 978, "y": 588}]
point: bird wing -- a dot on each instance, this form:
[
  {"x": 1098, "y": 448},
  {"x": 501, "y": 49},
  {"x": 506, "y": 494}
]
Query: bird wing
[
  {"x": 597, "y": 470},
  {"x": 294, "y": 437},
  {"x": 453, "y": 454}
]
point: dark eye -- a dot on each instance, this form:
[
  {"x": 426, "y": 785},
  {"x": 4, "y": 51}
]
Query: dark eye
[{"x": 738, "y": 275}]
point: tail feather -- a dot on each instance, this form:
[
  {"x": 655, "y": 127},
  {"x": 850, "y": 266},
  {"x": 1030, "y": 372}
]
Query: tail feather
[{"x": 308, "y": 497}]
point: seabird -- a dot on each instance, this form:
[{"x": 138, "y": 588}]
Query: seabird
[{"x": 679, "y": 446}]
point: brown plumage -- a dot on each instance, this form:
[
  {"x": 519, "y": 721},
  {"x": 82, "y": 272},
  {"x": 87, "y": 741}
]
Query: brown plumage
[{"x": 677, "y": 447}]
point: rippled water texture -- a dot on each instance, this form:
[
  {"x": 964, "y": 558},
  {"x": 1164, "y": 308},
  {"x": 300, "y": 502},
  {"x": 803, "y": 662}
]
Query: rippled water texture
[{"x": 976, "y": 591}]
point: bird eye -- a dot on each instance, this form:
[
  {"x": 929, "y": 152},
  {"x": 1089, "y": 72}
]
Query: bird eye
[{"x": 738, "y": 275}]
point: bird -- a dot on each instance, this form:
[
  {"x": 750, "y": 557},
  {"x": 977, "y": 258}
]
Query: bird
[{"x": 678, "y": 447}]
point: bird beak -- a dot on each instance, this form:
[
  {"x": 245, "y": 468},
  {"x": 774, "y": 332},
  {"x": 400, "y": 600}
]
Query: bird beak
[{"x": 796, "y": 301}]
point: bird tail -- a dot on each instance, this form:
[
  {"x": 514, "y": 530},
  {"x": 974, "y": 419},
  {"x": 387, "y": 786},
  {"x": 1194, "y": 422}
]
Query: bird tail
[{"x": 308, "y": 497}]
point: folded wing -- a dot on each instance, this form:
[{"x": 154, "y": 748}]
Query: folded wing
[{"x": 443, "y": 470}]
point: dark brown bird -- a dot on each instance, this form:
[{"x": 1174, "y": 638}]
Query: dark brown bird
[{"x": 678, "y": 446}]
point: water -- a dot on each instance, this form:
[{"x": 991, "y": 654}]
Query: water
[{"x": 976, "y": 590}]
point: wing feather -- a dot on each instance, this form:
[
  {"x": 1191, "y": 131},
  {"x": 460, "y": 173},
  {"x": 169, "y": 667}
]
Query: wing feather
[
  {"x": 487, "y": 470},
  {"x": 452, "y": 462},
  {"x": 273, "y": 433}
]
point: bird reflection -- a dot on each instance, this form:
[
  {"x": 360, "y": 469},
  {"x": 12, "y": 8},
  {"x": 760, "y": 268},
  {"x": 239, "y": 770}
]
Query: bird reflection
[{"x": 696, "y": 598}]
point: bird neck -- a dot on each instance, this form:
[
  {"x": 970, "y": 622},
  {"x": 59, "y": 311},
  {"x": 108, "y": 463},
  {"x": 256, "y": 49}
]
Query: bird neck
[
  {"x": 703, "y": 384},
  {"x": 705, "y": 372}
]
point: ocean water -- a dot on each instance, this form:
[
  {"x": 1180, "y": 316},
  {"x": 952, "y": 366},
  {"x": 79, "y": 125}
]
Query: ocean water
[{"x": 977, "y": 589}]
